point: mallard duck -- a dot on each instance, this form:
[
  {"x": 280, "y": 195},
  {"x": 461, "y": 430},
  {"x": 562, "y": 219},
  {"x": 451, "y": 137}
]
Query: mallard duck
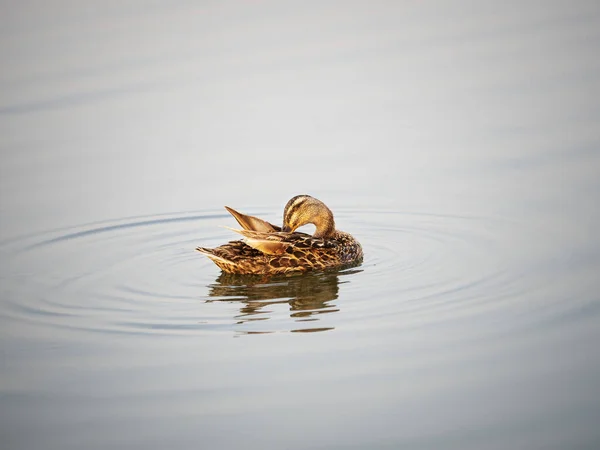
[{"x": 269, "y": 249}]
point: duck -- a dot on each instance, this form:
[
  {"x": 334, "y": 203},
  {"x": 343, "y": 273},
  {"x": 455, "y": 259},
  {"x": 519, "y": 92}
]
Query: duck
[{"x": 268, "y": 249}]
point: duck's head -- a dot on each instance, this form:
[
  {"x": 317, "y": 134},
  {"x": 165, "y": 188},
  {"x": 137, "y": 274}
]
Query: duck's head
[{"x": 304, "y": 209}]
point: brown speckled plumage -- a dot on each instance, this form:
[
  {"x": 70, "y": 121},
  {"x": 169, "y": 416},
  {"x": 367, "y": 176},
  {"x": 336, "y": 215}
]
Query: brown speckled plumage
[{"x": 269, "y": 249}]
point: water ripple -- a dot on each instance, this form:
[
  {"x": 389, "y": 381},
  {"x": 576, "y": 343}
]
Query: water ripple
[{"x": 142, "y": 275}]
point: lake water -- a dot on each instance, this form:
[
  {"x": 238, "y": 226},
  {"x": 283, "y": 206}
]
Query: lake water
[{"x": 458, "y": 142}]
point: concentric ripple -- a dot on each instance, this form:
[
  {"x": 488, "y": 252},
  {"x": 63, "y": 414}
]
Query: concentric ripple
[{"x": 142, "y": 275}]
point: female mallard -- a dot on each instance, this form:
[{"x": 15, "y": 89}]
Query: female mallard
[{"x": 269, "y": 249}]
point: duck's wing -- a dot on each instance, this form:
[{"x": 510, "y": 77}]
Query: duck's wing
[
  {"x": 271, "y": 243},
  {"x": 252, "y": 223}
]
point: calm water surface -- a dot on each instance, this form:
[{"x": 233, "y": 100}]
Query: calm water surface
[{"x": 459, "y": 144}]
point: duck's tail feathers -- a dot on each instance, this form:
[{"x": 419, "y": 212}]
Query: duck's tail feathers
[{"x": 209, "y": 252}]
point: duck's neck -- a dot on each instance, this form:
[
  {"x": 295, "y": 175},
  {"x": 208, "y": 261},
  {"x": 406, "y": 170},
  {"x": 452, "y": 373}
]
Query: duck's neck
[{"x": 325, "y": 227}]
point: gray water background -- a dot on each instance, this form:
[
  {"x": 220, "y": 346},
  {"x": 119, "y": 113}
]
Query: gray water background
[{"x": 458, "y": 141}]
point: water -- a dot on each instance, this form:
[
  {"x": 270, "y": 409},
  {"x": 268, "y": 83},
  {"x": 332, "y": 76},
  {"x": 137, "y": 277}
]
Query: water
[{"x": 458, "y": 143}]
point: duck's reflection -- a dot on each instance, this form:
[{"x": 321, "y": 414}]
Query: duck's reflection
[{"x": 308, "y": 295}]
